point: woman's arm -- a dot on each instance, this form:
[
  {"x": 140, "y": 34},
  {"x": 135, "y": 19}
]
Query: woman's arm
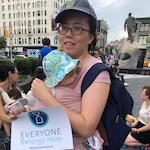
[
  {"x": 93, "y": 103},
  {"x": 3, "y": 115}
]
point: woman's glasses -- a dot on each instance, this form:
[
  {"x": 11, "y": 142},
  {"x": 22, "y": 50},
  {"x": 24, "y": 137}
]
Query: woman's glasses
[{"x": 75, "y": 30}]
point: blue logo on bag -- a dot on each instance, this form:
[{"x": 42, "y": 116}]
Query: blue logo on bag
[{"x": 38, "y": 118}]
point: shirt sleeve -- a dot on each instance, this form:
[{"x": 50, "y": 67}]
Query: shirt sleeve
[{"x": 103, "y": 77}]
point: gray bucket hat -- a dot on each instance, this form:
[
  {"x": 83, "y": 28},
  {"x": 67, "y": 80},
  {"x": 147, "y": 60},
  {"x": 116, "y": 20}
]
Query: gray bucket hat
[{"x": 76, "y": 5}]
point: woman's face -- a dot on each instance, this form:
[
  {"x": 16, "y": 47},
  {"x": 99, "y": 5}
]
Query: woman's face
[
  {"x": 75, "y": 45},
  {"x": 143, "y": 95},
  {"x": 14, "y": 76}
]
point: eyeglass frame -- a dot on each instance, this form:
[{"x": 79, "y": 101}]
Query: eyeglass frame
[{"x": 71, "y": 29}]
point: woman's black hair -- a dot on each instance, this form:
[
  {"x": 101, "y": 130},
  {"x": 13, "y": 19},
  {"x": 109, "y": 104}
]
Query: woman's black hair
[
  {"x": 92, "y": 25},
  {"x": 4, "y": 70}
]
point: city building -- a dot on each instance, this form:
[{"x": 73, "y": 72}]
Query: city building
[
  {"x": 24, "y": 23},
  {"x": 142, "y": 36},
  {"x": 143, "y": 31},
  {"x": 102, "y": 30}
]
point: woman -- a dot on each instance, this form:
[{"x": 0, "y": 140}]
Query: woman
[
  {"x": 141, "y": 127},
  {"x": 8, "y": 77},
  {"x": 77, "y": 36}
]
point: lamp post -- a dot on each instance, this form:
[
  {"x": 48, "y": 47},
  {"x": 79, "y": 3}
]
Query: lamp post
[{"x": 10, "y": 43}]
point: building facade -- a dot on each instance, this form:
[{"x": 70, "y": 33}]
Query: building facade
[
  {"x": 143, "y": 30},
  {"x": 25, "y": 23},
  {"x": 102, "y": 30},
  {"x": 142, "y": 36}
]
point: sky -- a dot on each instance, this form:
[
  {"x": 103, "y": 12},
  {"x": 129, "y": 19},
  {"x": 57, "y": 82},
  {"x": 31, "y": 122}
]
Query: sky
[{"x": 114, "y": 12}]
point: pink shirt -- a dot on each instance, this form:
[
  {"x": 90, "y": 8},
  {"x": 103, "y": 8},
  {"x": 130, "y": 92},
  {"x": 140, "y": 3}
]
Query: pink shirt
[{"x": 70, "y": 96}]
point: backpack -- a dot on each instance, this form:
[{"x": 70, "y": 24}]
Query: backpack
[{"x": 119, "y": 104}]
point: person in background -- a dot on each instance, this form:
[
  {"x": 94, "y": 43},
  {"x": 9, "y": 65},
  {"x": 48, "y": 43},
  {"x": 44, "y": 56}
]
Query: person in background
[
  {"x": 110, "y": 60},
  {"x": 77, "y": 37},
  {"x": 116, "y": 70},
  {"x": 96, "y": 55},
  {"x": 46, "y": 47},
  {"x": 8, "y": 77},
  {"x": 140, "y": 133}
]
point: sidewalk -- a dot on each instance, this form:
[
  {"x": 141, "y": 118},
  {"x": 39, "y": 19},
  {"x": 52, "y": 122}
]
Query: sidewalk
[{"x": 135, "y": 76}]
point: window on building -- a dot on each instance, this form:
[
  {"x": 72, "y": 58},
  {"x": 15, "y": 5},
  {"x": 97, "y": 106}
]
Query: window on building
[
  {"x": 45, "y": 12},
  {"x": 4, "y": 16},
  {"x": 29, "y": 30},
  {"x": 22, "y": 41},
  {"x": 38, "y": 13},
  {"x": 29, "y": 5},
  {"x": 41, "y": 3},
  {"x": 55, "y": 40},
  {"x": 34, "y": 41},
  {"x": 9, "y": 7},
  {"x": 29, "y": 14},
  {"x": 14, "y": 16},
  {"x": 30, "y": 40},
  {"x": 9, "y": 16},
  {"x": 142, "y": 39},
  {"x": 45, "y": 3},
  {"x": 33, "y": 22},
  {"x": 34, "y": 31},
  {"x": 38, "y": 4},
  {"x": 25, "y": 41},
  {"x": 45, "y": 21},
  {"x": 3, "y": 8},
  {"x": 19, "y": 40},
  {"x": 18, "y": 15},
  {"x": 13, "y": 7},
  {"x": 39, "y": 40},
  {"x": 45, "y": 30},
  {"x": 19, "y": 31},
  {"x": 4, "y": 24},
  {"x": 38, "y": 21},
  {"x": 145, "y": 27},
  {"x": 29, "y": 23},
  {"x": 33, "y": 13},
  {"x": 39, "y": 30},
  {"x": 33, "y": 5},
  {"x": 10, "y": 24}
]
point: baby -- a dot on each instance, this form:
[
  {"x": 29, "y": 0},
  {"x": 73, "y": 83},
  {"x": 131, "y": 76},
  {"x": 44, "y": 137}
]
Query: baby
[{"x": 59, "y": 68}]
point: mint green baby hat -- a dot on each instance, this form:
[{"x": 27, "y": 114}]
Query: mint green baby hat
[{"x": 56, "y": 65}]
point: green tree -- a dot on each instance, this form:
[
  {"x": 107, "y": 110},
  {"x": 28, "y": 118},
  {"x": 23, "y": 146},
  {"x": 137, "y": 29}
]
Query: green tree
[{"x": 2, "y": 42}]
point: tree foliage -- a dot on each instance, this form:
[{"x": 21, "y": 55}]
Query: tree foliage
[{"x": 2, "y": 42}]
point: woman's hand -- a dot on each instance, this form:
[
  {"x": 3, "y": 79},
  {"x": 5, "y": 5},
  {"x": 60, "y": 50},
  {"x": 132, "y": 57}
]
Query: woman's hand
[
  {"x": 40, "y": 90},
  {"x": 14, "y": 111},
  {"x": 135, "y": 130}
]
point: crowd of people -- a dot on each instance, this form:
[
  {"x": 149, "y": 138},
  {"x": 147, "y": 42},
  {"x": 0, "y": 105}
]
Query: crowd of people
[{"x": 58, "y": 82}]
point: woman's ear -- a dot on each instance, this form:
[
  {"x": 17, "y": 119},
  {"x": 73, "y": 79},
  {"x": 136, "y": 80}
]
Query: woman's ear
[
  {"x": 91, "y": 38},
  {"x": 10, "y": 74}
]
